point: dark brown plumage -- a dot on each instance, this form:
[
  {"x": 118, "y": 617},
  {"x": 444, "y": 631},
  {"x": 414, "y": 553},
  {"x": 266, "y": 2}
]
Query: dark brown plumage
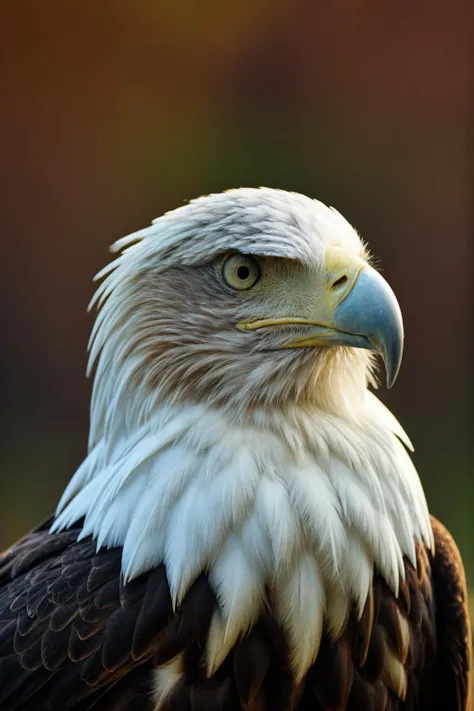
[{"x": 72, "y": 636}]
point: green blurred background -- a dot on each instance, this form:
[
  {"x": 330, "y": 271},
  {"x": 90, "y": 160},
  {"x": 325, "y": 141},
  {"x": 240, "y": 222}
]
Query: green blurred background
[{"x": 113, "y": 112}]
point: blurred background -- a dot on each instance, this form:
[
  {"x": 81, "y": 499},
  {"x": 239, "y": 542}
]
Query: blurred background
[{"x": 113, "y": 112}]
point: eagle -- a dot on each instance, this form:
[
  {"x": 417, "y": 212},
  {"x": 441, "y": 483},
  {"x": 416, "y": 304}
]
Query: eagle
[{"x": 247, "y": 530}]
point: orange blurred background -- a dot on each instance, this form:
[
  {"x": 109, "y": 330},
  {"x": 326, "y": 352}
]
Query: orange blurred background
[{"x": 113, "y": 112}]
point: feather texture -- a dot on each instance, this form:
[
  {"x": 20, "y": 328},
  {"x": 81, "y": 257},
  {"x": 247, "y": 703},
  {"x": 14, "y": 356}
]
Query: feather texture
[{"x": 247, "y": 517}]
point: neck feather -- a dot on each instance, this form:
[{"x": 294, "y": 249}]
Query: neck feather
[{"x": 302, "y": 500}]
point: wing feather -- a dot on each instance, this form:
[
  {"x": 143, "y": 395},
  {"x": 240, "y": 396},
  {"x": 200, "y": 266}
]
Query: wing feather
[{"x": 454, "y": 636}]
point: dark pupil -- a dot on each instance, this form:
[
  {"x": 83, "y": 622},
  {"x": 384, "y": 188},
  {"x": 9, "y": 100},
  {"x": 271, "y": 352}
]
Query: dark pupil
[{"x": 243, "y": 273}]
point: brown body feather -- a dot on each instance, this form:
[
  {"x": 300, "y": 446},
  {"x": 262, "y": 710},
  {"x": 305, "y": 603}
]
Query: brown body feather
[{"x": 72, "y": 636}]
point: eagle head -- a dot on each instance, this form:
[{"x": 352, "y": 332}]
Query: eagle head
[{"x": 248, "y": 298}]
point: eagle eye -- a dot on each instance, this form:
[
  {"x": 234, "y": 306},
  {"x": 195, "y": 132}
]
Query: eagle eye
[{"x": 240, "y": 271}]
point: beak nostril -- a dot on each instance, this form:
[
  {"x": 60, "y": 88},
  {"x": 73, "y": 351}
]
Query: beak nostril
[{"x": 339, "y": 282}]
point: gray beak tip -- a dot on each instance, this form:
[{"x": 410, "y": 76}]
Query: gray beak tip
[{"x": 392, "y": 353}]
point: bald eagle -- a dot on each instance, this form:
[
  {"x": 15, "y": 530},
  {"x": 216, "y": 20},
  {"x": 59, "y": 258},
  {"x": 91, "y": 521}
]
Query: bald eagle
[{"x": 247, "y": 530}]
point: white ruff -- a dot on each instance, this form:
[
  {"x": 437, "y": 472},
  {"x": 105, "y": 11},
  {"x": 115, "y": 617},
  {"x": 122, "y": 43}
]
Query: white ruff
[{"x": 306, "y": 504}]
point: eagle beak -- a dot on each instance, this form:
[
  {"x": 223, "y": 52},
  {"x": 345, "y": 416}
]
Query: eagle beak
[
  {"x": 355, "y": 308},
  {"x": 368, "y": 316}
]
